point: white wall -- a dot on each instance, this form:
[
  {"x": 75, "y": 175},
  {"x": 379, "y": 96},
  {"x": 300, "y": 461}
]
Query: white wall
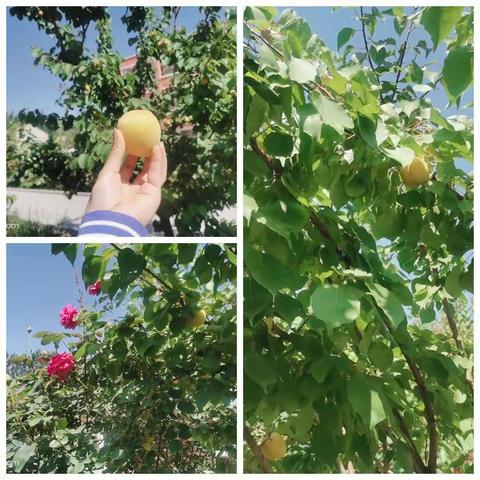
[{"x": 50, "y": 207}]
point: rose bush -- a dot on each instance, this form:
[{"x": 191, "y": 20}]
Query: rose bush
[{"x": 136, "y": 388}]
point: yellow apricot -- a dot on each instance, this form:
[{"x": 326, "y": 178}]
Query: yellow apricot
[
  {"x": 274, "y": 446},
  {"x": 198, "y": 319},
  {"x": 415, "y": 174},
  {"x": 141, "y": 131}
]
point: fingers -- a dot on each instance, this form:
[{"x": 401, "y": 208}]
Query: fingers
[
  {"x": 115, "y": 159},
  {"x": 155, "y": 167},
  {"x": 128, "y": 167}
]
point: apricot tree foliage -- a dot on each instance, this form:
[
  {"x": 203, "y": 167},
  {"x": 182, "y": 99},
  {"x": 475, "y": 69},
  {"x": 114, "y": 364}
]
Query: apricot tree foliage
[
  {"x": 352, "y": 345},
  {"x": 148, "y": 392}
]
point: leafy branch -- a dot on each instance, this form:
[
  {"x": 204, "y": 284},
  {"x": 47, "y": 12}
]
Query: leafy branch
[
  {"x": 401, "y": 56},
  {"x": 365, "y": 42},
  {"x": 429, "y": 411},
  {"x": 279, "y": 54}
]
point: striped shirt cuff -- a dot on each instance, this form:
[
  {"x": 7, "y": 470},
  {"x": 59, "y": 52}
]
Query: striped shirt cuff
[{"x": 114, "y": 224}]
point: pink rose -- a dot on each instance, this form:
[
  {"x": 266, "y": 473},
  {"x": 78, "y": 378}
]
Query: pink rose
[
  {"x": 61, "y": 365},
  {"x": 67, "y": 316},
  {"x": 95, "y": 288}
]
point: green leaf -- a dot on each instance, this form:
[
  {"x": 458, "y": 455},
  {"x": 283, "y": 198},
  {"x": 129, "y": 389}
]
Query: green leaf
[
  {"x": 367, "y": 129},
  {"x": 35, "y": 420},
  {"x": 336, "y": 305},
  {"x": 278, "y": 144},
  {"x": 260, "y": 368},
  {"x": 70, "y": 250},
  {"x": 302, "y": 71},
  {"x": 82, "y": 351},
  {"x": 92, "y": 269},
  {"x": 403, "y": 155},
  {"x": 344, "y": 36},
  {"x": 283, "y": 217},
  {"x": 358, "y": 394},
  {"x": 319, "y": 369},
  {"x": 23, "y": 455},
  {"x": 377, "y": 412},
  {"x": 255, "y": 116},
  {"x": 256, "y": 298},
  {"x": 380, "y": 355},
  {"x": 288, "y": 308},
  {"x": 249, "y": 206},
  {"x": 439, "y": 22},
  {"x": 366, "y": 402},
  {"x": 186, "y": 252},
  {"x": 332, "y": 113},
  {"x": 389, "y": 303},
  {"x": 130, "y": 262},
  {"x": 270, "y": 273},
  {"x": 61, "y": 423},
  {"x": 458, "y": 71}
]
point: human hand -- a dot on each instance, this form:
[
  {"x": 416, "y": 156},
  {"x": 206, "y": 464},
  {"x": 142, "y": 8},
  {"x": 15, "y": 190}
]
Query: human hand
[{"x": 114, "y": 191}]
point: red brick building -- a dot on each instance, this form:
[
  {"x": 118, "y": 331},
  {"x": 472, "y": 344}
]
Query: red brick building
[
  {"x": 162, "y": 74},
  {"x": 163, "y": 77}
]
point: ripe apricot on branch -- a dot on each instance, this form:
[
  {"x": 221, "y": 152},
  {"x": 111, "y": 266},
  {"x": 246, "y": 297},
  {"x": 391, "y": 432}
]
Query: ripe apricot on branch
[
  {"x": 198, "y": 319},
  {"x": 141, "y": 131},
  {"x": 274, "y": 447},
  {"x": 415, "y": 174}
]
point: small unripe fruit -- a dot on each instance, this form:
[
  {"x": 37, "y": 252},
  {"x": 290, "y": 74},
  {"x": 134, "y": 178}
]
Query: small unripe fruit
[
  {"x": 415, "y": 174},
  {"x": 141, "y": 131},
  {"x": 274, "y": 447}
]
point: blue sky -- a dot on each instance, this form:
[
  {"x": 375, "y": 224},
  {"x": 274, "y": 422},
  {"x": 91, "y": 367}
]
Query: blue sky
[
  {"x": 39, "y": 284},
  {"x": 33, "y": 87}
]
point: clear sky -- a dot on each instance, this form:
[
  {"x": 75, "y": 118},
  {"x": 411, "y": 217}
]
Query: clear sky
[
  {"x": 32, "y": 87},
  {"x": 39, "y": 284}
]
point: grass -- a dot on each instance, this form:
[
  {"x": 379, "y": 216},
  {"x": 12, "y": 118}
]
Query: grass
[{"x": 17, "y": 227}]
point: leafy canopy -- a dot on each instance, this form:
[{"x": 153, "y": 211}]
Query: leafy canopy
[{"x": 355, "y": 349}]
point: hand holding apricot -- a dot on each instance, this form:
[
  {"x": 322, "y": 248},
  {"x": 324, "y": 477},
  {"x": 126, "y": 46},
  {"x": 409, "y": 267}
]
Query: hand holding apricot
[{"x": 115, "y": 190}]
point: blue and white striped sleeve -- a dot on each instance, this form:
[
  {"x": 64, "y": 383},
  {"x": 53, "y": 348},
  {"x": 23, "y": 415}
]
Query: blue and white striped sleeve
[{"x": 111, "y": 224}]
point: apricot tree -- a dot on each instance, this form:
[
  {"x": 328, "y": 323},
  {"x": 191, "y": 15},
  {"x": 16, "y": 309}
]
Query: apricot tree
[
  {"x": 358, "y": 242},
  {"x": 201, "y": 68}
]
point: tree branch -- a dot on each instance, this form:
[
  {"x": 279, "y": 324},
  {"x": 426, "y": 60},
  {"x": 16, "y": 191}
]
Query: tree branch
[
  {"x": 437, "y": 81},
  {"x": 429, "y": 412},
  {"x": 277, "y": 172},
  {"x": 314, "y": 218},
  {"x": 451, "y": 323},
  {"x": 365, "y": 41},
  {"x": 420, "y": 467},
  {"x": 401, "y": 57},
  {"x": 257, "y": 451}
]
